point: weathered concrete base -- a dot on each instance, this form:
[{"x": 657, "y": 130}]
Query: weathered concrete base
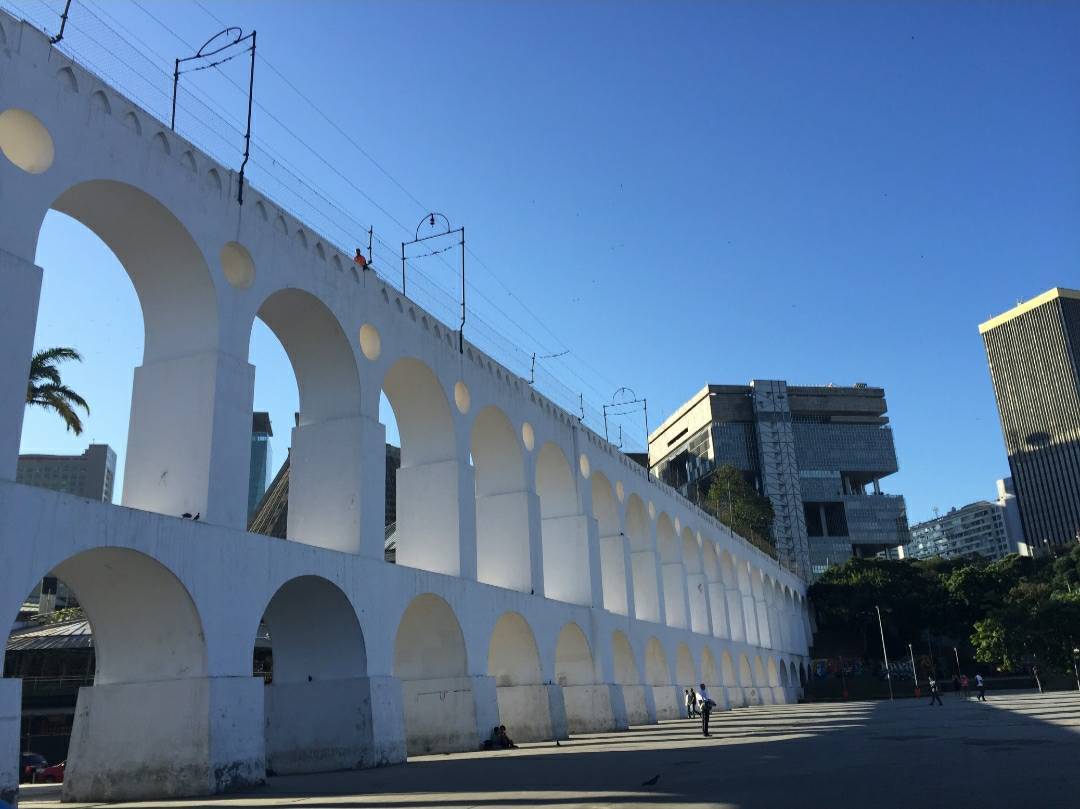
[
  {"x": 325, "y": 725},
  {"x": 174, "y": 738},
  {"x": 594, "y": 708},
  {"x": 448, "y": 715},
  {"x": 10, "y": 716},
  {"x": 640, "y": 706},
  {"x": 532, "y": 713},
  {"x": 387, "y": 721},
  {"x": 668, "y": 702}
]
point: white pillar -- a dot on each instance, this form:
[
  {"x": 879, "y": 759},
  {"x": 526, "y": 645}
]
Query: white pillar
[
  {"x": 189, "y": 437},
  {"x": 196, "y": 736},
  {"x": 21, "y": 282},
  {"x": 436, "y": 518},
  {"x": 505, "y": 524},
  {"x": 337, "y": 485},
  {"x": 10, "y": 724}
]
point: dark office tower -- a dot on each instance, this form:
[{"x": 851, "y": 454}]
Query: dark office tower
[{"x": 1034, "y": 354}]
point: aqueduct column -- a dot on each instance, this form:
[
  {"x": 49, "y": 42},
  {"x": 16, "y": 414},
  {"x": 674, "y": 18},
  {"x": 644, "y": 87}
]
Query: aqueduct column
[{"x": 21, "y": 281}]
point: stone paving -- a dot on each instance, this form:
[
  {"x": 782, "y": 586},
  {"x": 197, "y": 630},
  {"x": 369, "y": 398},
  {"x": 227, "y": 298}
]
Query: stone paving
[{"x": 1016, "y": 750}]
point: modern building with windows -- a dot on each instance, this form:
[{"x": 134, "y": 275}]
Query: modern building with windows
[
  {"x": 984, "y": 528},
  {"x": 818, "y": 453},
  {"x": 262, "y": 459},
  {"x": 88, "y": 475},
  {"x": 1034, "y": 355}
]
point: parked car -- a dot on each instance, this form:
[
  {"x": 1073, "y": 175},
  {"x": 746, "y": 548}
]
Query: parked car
[
  {"x": 51, "y": 775},
  {"x": 29, "y": 766}
]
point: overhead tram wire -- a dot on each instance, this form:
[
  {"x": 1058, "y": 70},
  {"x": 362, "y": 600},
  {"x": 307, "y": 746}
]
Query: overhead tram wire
[
  {"x": 424, "y": 207},
  {"x": 442, "y": 299}
]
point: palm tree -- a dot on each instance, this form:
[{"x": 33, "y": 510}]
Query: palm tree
[{"x": 47, "y": 390}]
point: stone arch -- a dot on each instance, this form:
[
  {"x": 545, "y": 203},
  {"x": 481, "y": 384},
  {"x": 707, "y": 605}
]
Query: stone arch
[
  {"x": 772, "y": 673},
  {"x": 513, "y": 657},
  {"x": 319, "y": 352},
  {"x": 626, "y": 668},
  {"x": 170, "y": 431},
  {"x": 727, "y": 669},
  {"x": 674, "y": 574},
  {"x": 325, "y": 470},
  {"x": 709, "y": 673},
  {"x": 760, "y": 678},
  {"x": 502, "y": 503},
  {"x": 150, "y": 648},
  {"x": 793, "y": 675},
  {"x": 691, "y": 552},
  {"x": 612, "y": 544},
  {"x": 514, "y": 662},
  {"x": 436, "y": 694},
  {"x": 657, "y": 670},
  {"x": 685, "y": 671},
  {"x": 321, "y": 676},
  {"x": 643, "y": 561},
  {"x": 746, "y": 674},
  {"x": 563, "y": 528},
  {"x": 574, "y": 663},
  {"x": 587, "y": 704},
  {"x": 427, "y": 518},
  {"x": 783, "y": 671}
]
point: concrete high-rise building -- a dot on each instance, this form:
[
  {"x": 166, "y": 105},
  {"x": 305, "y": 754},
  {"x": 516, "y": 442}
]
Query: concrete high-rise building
[
  {"x": 813, "y": 451},
  {"x": 1034, "y": 355},
  {"x": 261, "y": 468},
  {"x": 88, "y": 475},
  {"x": 985, "y": 528}
]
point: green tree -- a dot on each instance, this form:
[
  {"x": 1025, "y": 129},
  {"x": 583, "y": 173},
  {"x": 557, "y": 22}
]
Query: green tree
[
  {"x": 46, "y": 389},
  {"x": 733, "y": 501}
]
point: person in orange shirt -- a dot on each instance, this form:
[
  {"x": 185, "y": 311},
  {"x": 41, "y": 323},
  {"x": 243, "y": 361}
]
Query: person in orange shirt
[{"x": 360, "y": 259}]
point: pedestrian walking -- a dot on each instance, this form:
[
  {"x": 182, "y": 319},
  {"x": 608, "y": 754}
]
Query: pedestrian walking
[
  {"x": 935, "y": 694},
  {"x": 691, "y": 703},
  {"x": 707, "y": 705},
  {"x": 965, "y": 684},
  {"x": 980, "y": 683},
  {"x": 957, "y": 684}
]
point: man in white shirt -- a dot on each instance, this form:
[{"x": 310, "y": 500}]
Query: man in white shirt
[
  {"x": 981, "y": 685},
  {"x": 706, "y": 708}
]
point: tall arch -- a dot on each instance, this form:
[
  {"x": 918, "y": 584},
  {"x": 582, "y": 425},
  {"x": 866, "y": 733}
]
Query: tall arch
[
  {"x": 761, "y": 680},
  {"x": 675, "y": 601},
  {"x": 564, "y": 530},
  {"x": 644, "y": 563},
  {"x": 710, "y": 675},
  {"x": 696, "y": 585},
  {"x": 502, "y": 503},
  {"x": 730, "y": 680},
  {"x": 427, "y": 525},
  {"x": 629, "y": 679},
  {"x": 733, "y": 597},
  {"x": 718, "y": 609},
  {"x": 318, "y": 704},
  {"x": 326, "y": 460},
  {"x": 749, "y": 606},
  {"x": 613, "y": 550},
  {"x": 436, "y": 694},
  {"x": 181, "y": 456}
]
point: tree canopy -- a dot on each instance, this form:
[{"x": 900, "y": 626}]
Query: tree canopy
[
  {"x": 46, "y": 389},
  {"x": 1014, "y": 611},
  {"x": 733, "y": 501}
]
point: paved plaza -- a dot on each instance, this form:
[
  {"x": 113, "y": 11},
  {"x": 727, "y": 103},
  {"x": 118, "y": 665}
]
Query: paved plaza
[{"x": 1012, "y": 751}]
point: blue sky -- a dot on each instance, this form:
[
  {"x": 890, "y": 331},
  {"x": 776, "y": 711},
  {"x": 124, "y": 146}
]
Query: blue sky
[{"x": 678, "y": 193}]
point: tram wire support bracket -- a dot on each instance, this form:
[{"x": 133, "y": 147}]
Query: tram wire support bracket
[
  {"x": 221, "y": 42},
  {"x": 431, "y": 220}
]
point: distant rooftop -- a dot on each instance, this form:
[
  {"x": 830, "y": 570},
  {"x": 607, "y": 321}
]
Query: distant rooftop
[{"x": 1027, "y": 306}]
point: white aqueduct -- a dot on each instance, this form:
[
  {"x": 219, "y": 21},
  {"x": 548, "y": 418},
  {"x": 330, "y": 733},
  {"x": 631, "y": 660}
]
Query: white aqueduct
[{"x": 543, "y": 581}]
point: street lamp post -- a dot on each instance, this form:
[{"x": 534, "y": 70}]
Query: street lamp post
[
  {"x": 914, "y": 671},
  {"x": 957, "y": 656},
  {"x": 885, "y": 654}
]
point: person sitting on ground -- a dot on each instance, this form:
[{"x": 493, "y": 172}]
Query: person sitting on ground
[
  {"x": 360, "y": 259},
  {"x": 492, "y": 741},
  {"x": 504, "y": 741}
]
